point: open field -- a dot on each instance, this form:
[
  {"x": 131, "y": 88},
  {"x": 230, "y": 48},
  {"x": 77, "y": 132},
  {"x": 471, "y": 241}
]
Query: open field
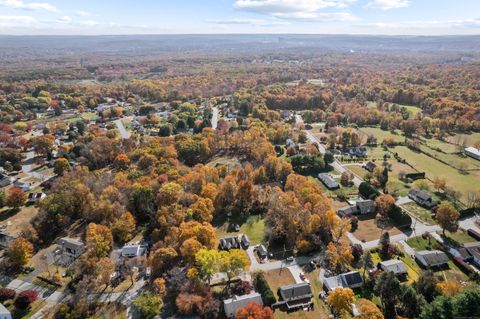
[
  {"x": 444, "y": 146},
  {"x": 469, "y": 139},
  {"x": 381, "y": 134},
  {"x": 368, "y": 230},
  {"x": 453, "y": 160},
  {"x": 433, "y": 168}
]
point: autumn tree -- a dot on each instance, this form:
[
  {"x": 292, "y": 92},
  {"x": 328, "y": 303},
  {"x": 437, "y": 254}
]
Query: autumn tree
[
  {"x": 439, "y": 183},
  {"x": 149, "y": 305},
  {"x": 384, "y": 204},
  {"x": 449, "y": 287},
  {"x": 99, "y": 240},
  {"x": 20, "y": 251},
  {"x": 232, "y": 262},
  {"x": 123, "y": 228},
  {"x": 368, "y": 310},
  {"x": 104, "y": 268},
  {"x": 16, "y": 198},
  {"x": 43, "y": 145},
  {"x": 61, "y": 166},
  {"x": 340, "y": 300},
  {"x": 121, "y": 162},
  {"x": 161, "y": 259},
  {"x": 254, "y": 311},
  {"x": 206, "y": 262},
  {"x": 447, "y": 217}
]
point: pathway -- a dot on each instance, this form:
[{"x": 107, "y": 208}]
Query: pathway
[
  {"x": 215, "y": 117},
  {"x": 121, "y": 128}
]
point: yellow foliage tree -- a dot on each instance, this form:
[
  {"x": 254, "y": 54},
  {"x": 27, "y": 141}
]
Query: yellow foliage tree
[{"x": 340, "y": 300}]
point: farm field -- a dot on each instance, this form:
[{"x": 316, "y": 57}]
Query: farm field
[
  {"x": 433, "y": 168},
  {"x": 444, "y": 146},
  {"x": 469, "y": 139},
  {"x": 381, "y": 134},
  {"x": 453, "y": 160}
]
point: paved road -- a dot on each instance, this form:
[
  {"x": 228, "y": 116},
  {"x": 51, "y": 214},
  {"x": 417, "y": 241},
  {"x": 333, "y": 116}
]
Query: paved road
[
  {"x": 214, "y": 117},
  {"x": 121, "y": 128}
]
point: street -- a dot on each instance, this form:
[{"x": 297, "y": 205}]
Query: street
[
  {"x": 121, "y": 129},
  {"x": 214, "y": 117}
]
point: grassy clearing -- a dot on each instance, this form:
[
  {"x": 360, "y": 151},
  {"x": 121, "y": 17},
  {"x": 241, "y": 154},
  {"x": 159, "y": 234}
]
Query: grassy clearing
[
  {"x": 433, "y": 168},
  {"x": 457, "y": 238},
  {"x": 453, "y": 160},
  {"x": 414, "y": 110},
  {"x": 253, "y": 227},
  {"x": 381, "y": 134},
  {"x": 468, "y": 139},
  {"x": 420, "y": 243},
  {"x": 421, "y": 213},
  {"x": 434, "y": 143}
]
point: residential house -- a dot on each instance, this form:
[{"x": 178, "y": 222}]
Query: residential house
[
  {"x": 360, "y": 151},
  {"x": 5, "y": 238},
  {"x": 290, "y": 143},
  {"x": 350, "y": 280},
  {"x": 328, "y": 181},
  {"x": 230, "y": 306},
  {"x": 234, "y": 242},
  {"x": 470, "y": 252},
  {"x": 394, "y": 265},
  {"x": 293, "y": 297},
  {"x": 230, "y": 242},
  {"x": 473, "y": 152},
  {"x": 131, "y": 251},
  {"x": 360, "y": 208},
  {"x": 370, "y": 166},
  {"x": 4, "y": 312},
  {"x": 431, "y": 258},
  {"x": 5, "y": 180},
  {"x": 71, "y": 247},
  {"x": 422, "y": 198}
]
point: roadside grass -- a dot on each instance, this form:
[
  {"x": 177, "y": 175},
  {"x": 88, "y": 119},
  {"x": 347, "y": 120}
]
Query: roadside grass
[
  {"x": 421, "y": 213},
  {"x": 433, "y": 168}
]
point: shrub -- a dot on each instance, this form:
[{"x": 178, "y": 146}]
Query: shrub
[
  {"x": 262, "y": 287},
  {"x": 25, "y": 299},
  {"x": 242, "y": 288},
  {"x": 6, "y": 294},
  {"x": 368, "y": 191},
  {"x": 399, "y": 217}
]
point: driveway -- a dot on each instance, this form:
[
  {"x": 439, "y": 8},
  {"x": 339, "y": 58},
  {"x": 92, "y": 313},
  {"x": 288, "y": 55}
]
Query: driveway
[
  {"x": 121, "y": 128},
  {"x": 296, "y": 270}
]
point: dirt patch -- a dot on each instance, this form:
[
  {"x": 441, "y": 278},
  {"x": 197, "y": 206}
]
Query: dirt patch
[
  {"x": 15, "y": 222},
  {"x": 368, "y": 230}
]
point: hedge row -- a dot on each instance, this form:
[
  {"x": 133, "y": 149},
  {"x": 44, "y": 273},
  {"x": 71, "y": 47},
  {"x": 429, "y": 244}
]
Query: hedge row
[{"x": 262, "y": 287}]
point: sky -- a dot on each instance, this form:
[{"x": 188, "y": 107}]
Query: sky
[{"x": 111, "y": 17}]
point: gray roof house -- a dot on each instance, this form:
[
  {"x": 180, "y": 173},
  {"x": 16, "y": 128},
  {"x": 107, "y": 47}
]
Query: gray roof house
[
  {"x": 360, "y": 208},
  {"x": 370, "y": 166},
  {"x": 328, "y": 181},
  {"x": 351, "y": 279},
  {"x": 133, "y": 250},
  {"x": 71, "y": 247},
  {"x": 5, "y": 180},
  {"x": 394, "y": 265},
  {"x": 422, "y": 198},
  {"x": 230, "y": 242},
  {"x": 4, "y": 312},
  {"x": 431, "y": 258},
  {"x": 230, "y": 306},
  {"x": 471, "y": 252},
  {"x": 296, "y": 296}
]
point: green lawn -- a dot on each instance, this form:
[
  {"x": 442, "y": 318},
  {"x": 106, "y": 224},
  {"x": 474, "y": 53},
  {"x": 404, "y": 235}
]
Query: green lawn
[
  {"x": 414, "y": 110},
  {"x": 421, "y": 213},
  {"x": 433, "y": 168},
  {"x": 253, "y": 227},
  {"x": 420, "y": 243},
  {"x": 453, "y": 160},
  {"x": 444, "y": 146},
  {"x": 457, "y": 238}
]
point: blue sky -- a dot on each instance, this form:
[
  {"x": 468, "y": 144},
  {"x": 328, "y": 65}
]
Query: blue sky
[{"x": 418, "y": 17}]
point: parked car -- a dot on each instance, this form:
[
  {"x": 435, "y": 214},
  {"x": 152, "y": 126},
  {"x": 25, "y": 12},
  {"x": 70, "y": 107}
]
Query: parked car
[{"x": 289, "y": 259}]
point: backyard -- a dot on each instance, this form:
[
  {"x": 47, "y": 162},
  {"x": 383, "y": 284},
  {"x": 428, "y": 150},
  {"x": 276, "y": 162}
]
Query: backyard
[
  {"x": 368, "y": 230},
  {"x": 421, "y": 213}
]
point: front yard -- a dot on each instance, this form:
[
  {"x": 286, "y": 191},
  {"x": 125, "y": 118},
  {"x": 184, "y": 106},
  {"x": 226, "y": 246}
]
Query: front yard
[{"x": 421, "y": 213}]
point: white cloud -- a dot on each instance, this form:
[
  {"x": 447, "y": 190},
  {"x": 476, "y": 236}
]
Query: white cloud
[
  {"x": 388, "y": 4},
  {"x": 64, "y": 19},
  {"x": 304, "y": 10},
  {"x": 253, "y": 22},
  {"x": 37, "y": 6},
  {"x": 82, "y": 13},
  {"x": 89, "y": 23},
  {"x": 16, "y": 21}
]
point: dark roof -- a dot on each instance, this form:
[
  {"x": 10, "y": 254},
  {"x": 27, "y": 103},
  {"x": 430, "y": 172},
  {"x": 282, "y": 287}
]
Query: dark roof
[
  {"x": 328, "y": 181},
  {"x": 366, "y": 206},
  {"x": 352, "y": 279},
  {"x": 347, "y": 211},
  {"x": 432, "y": 258},
  {"x": 262, "y": 251},
  {"x": 296, "y": 291},
  {"x": 370, "y": 166},
  {"x": 473, "y": 249},
  {"x": 228, "y": 243}
]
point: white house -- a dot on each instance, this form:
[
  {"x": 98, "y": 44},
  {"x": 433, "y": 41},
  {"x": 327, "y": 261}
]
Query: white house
[
  {"x": 473, "y": 152},
  {"x": 237, "y": 302},
  {"x": 4, "y": 313},
  {"x": 133, "y": 251}
]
